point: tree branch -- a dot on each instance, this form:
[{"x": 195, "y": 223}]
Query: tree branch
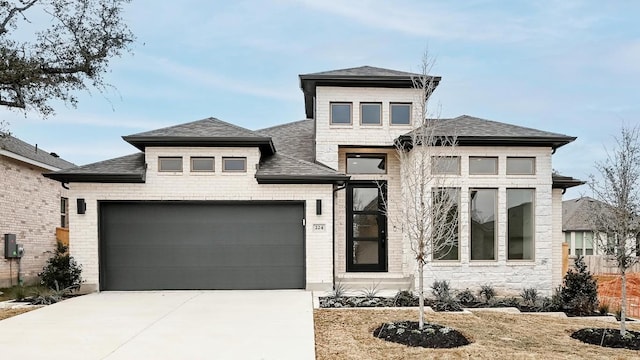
[{"x": 12, "y": 13}]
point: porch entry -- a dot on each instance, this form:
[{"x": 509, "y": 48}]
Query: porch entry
[{"x": 366, "y": 227}]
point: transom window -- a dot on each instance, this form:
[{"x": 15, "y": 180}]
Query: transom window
[
  {"x": 234, "y": 164},
  {"x": 445, "y": 165},
  {"x": 202, "y": 164},
  {"x": 170, "y": 164},
  {"x": 400, "y": 114},
  {"x": 370, "y": 113},
  {"x": 520, "y": 224},
  {"x": 366, "y": 164},
  {"x": 521, "y": 166},
  {"x": 340, "y": 113},
  {"x": 483, "y": 217},
  {"x": 483, "y": 165}
]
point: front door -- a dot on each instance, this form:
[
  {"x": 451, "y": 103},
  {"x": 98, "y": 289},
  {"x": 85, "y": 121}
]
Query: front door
[{"x": 366, "y": 227}]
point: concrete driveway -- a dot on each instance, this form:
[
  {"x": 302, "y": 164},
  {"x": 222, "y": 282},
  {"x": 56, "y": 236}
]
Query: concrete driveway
[{"x": 166, "y": 325}]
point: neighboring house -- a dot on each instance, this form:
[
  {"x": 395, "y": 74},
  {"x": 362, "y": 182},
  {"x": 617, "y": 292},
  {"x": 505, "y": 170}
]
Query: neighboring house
[
  {"x": 210, "y": 205},
  {"x": 578, "y": 228},
  {"x": 31, "y": 206}
]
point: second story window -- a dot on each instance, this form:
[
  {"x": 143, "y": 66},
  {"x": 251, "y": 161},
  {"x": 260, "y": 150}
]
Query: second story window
[
  {"x": 340, "y": 113},
  {"x": 170, "y": 164},
  {"x": 483, "y": 165},
  {"x": 400, "y": 114},
  {"x": 521, "y": 166},
  {"x": 445, "y": 165},
  {"x": 64, "y": 212},
  {"x": 370, "y": 113},
  {"x": 234, "y": 164},
  {"x": 202, "y": 164}
]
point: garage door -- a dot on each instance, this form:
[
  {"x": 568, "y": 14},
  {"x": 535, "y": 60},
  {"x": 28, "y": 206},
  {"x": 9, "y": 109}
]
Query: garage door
[{"x": 201, "y": 245}]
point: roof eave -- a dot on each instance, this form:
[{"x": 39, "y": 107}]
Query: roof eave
[
  {"x": 566, "y": 184},
  {"x": 96, "y": 178},
  {"x": 141, "y": 142},
  {"x": 301, "y": 179},
  {"x": 553, "y": 142}
]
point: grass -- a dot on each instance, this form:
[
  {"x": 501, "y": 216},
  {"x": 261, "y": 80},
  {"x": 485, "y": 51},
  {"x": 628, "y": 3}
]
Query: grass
[
  {"x": 8, "y": 293},
  {"x": 7, "y": 313},
  {"x": 346, "y": 334}
]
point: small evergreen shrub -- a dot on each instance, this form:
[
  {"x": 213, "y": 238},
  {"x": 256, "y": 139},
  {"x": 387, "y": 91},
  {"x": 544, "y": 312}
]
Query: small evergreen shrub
[
  {"x": 61, "y": 271},
  {"x": 441, "y": 290},
  {"x": 405, "y": 298},
  {"x": 530, "y": 296},
  {"x": 579, "y": 293},
  {"x": 487, "y": 292},
  {"x": 603, "y": 309},
  {"x": 466, "y": 297}
]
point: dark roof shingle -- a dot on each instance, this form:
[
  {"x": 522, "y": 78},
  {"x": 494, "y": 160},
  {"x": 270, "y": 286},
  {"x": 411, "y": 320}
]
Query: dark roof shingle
[
  {"x": 129, "y": 168},
  {"x": 365, "y": 71},
  {"x": 295, "y": 139},
  {"x": 282, "y": 168},
  {"x": 19, "y": 147}
]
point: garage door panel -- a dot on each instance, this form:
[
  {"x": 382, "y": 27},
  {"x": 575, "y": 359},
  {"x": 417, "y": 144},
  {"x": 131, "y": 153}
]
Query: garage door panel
[{"x": 162, "y": 245}]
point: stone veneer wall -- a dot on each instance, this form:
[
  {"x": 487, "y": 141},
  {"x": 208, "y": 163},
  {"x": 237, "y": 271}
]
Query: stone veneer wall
[
  {"x": 205, "y": 186},
  {"x": 29, "y": 208}
]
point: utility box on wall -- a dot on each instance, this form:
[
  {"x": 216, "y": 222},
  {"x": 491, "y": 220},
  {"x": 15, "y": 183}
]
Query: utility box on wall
[{"x": 10, "y": 249}]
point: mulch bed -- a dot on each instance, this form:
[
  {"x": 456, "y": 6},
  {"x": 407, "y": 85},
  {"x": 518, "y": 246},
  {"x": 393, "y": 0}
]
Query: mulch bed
[
  {"x": 608, "y": 338},
  {"x": 431, "y": 336}
]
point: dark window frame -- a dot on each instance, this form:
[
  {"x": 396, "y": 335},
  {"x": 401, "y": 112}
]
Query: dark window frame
[
  {"x": 64, "y": 212},
  {"x": 350, "y": 104},
  {"x": 213, "y": 163},
  {"x": 366, "y": 155},
  {"x": 379, "y": 104},
  {"x": 161, "y": 158},
  {"x": 226, "y": 158}
]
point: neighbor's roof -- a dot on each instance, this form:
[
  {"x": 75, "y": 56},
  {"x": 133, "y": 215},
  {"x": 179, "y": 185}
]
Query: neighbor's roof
[
  {"x": 363, "y": 76},
  {"x": 471, "y": 131},
  {"x": 125, "y": 169},
  {"x": 295, "y": 139},
  {"x": 205, "y": 132},
  {"x": 576, "y": 213},
  {"x": 15, "y": 148}
]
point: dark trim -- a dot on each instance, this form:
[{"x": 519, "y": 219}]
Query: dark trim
[
  {"x": 301, "y": 179},
  {"x": 553, "y": 142},
  {"x": 96, "y": 178},
  {"x": 141, "y": 142},
  {"x": 565, "y": 182}
]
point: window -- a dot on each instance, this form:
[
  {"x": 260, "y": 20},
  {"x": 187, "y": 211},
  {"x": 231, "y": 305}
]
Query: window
[
  {"x": 446, "y": 165},
  {"x": 170, "y": 164},
  {"x": 446, "y": 210},
  {"x": 483, "y": 224},
  {"x": 202, "y": 164},
  {"x": 237, "y": 164},
  {"x": 340, "y": 113},
  {"x": 64, "y": 212},
  {"x": 370, "y": 114},
  {"x": 588, "y": 243},
  {"x": 521, "y": 166},
  {"x": 483, "y": 165},
  {"x": 366, "y": 164},
  {"x": 400, "y": 114},
  {"x": 567, "y": 239},
  {"x": 579, "y": 244},
  {"x": 520, "y": 224}
]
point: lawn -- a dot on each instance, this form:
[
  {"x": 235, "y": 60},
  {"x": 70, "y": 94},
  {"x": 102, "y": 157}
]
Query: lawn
[
  {"x": 346, "y": 334},
  {"x": 7, "y": 313}
]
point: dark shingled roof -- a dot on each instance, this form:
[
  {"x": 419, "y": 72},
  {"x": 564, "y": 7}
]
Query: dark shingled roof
[
  {"x": 282, "y": 168},
  {"x": 126, "y": 169},
  {"x": 363, "y": 76},
  {"x": 19, "y": 147},
  {"x": 295, "y": 139},
  {"x": 205, "y": 132},
  {"x": 471, "y": 130}
]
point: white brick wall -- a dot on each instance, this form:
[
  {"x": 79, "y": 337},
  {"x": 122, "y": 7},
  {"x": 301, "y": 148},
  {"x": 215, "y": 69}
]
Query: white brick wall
[
  {"x": 328, "y": 137},
  {"x": 29, "y": 208},
  {"x": 204, "y": 186}
]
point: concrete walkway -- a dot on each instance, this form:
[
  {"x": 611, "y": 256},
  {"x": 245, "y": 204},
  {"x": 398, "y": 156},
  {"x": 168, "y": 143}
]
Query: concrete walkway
[{"x": 166, "y": 325}]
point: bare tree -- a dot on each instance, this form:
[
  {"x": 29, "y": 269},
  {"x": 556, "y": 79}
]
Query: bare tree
[
  {"x": 617, "y": 186},
  {"x": 429, "y": 209},
  {"x": 71, "y": 54}
]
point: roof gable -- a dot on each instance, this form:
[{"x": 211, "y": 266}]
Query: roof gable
[
  {"x": 205, "y": 132},
  {"x": 12, "y": 145},
  {"x": 366, "y": 71}
]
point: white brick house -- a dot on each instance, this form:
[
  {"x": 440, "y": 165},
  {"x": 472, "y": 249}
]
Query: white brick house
[
  {"x": 209, "y": 205},
  {"x": 31, "y": 207}
]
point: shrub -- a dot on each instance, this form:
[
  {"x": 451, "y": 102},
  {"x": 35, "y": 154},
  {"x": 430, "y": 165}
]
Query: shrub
[
  {"x": 579, "y": 294},
  {"x": 530, "y": 296},
  {"x": 405, "y": 298},
  {"x": 338, "y": 290},
  {"x": 441, "y": 290},
  {"x": 19, "y": 293},
  {"x": 466, "y": 297},
  {"x": 371, "y": 291},
  {"x": 61, "y": 271},
  {"x": 448, "y": 304},
  {"x": 603, "y": 309},
  {"x": 487, "y": 292}
]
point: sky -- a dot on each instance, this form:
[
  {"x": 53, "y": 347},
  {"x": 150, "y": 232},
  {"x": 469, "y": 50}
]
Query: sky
[{"x": 570, "y": 67}]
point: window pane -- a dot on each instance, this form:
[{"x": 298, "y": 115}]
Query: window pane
[
  {"x": 366, "y": 164},
  {"x": 521, "y": 166},
  {"x": 446, "y": 165},
  {"x": 365, "y": 199},
  {"x": 365, "y": 226},
  {"x": 483, "y": 229},
  {"x": 520, "y": 217},
  {"x": 567, "y": 239},
  {"x": 370, "y": 113},
  {"x": 201, "y": 164},
  {"x": 579, "y": 242},
  {"x": 400, "y": 114},
  {"x": 170, "y": 163},
  {"x": 483, "y": 165},
  {"x": 365, "y": 252},
  {"x": 234, "y": 164},
  {"x": 588, "y": 243},
  {"x": 341, "y": 113},
  {"x": 446, "y": 205}
]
